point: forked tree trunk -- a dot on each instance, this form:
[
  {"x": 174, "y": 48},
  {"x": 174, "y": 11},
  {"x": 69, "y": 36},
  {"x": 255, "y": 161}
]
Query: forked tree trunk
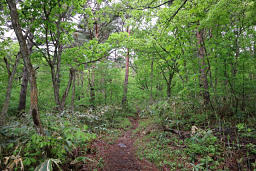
[
  {"x": 203, "y": 74},
  {"x": 25, "y": 54},
  {"x": 23, "y": 91}
]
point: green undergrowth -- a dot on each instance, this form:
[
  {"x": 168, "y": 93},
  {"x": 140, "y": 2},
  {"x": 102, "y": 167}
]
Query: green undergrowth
[
  {"x": 154, "y": 145},
  {"x": 68, "y": 137},
  {"x": 178, "y": 136},
  {"x": 23, "y": 149}
]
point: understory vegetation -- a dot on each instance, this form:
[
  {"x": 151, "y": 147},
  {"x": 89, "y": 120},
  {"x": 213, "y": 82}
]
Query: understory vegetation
[
  {"x": 175, "y": 137},
  {"x": 178, "y": 77}
]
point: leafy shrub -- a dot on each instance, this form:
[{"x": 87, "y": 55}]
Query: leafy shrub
[{"x": 202, "y": 145}]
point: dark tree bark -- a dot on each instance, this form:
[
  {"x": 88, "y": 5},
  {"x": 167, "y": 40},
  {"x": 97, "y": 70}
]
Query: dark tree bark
[
  {"x": 169, "y": 84},
  {"x": 203, "y": 73},
  {"x": 11, "y": 75},
  {"x": 23, "y": 90},
  {"x": 32, "y": 72}
]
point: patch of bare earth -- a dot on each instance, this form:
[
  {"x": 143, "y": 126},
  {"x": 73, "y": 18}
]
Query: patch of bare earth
[{"x": 121, "y": 155}]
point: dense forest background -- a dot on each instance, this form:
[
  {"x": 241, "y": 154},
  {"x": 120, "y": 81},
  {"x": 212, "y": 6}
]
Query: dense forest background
[{"x": 75, "y": 70}]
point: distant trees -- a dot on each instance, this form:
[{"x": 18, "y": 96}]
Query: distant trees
[{"x": 203, "y": 51}]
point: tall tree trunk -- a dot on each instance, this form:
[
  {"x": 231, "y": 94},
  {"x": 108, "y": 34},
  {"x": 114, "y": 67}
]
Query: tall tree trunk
[
  {"x": 127, "y": 59},
  {"x": 92, "y": 74},
  {"x": 203, "y": 74},
  {"x": 23, "y": 91},
  {"x": 9, "y": 89},
  {"x": 25, "y": 54}
]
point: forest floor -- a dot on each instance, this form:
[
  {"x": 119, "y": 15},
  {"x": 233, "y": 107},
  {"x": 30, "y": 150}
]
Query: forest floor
[
  {"x": 146, "y": 143},
  {"x": 119, "y": 154}
]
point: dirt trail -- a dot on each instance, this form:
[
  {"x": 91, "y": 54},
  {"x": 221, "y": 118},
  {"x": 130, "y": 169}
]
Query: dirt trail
[{"x": 121, "y": 155}]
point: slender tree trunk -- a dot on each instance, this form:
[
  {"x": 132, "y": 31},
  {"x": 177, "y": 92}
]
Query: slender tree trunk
[
  {"x": 105, "y": 94},
  {"x": 82, "y": 85},
  {"x": 168, "y": 90},
  {"x": 92, "y": 87},
  {"x": 73, "y": 93},
  {"x": 169, "y": 84},
  {"x": 243, "y": 99},
  {"x": 23, "y": 91},
  {"x": 34, "y": 102},
  {"x": 124, "y": 100},
  {"x": 57, "y": 79},
  {"x": 25, "y": 54},
  {"x": 9, "y": 90},
  {"x": 92, "y": 74},
  {"x": 65, "y": 95},
  {"x": 152, "y": 78},
  {"x": 203, "y": 74},
  {"x": 56, "y": 87},
  {"x": 127, "y": 59},
  {"x": 91, "y": 80},
  {"x": 103, "y": 90},
  {"x": 78, "y": 80}
]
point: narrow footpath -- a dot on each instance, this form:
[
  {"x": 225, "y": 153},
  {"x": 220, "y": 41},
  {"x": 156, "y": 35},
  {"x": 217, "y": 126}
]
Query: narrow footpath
[{"x": 121, "y": 155}]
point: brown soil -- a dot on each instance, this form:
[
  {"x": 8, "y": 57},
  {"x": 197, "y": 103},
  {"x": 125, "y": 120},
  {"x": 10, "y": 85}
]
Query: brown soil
[{"x": 121, "y": 155}]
